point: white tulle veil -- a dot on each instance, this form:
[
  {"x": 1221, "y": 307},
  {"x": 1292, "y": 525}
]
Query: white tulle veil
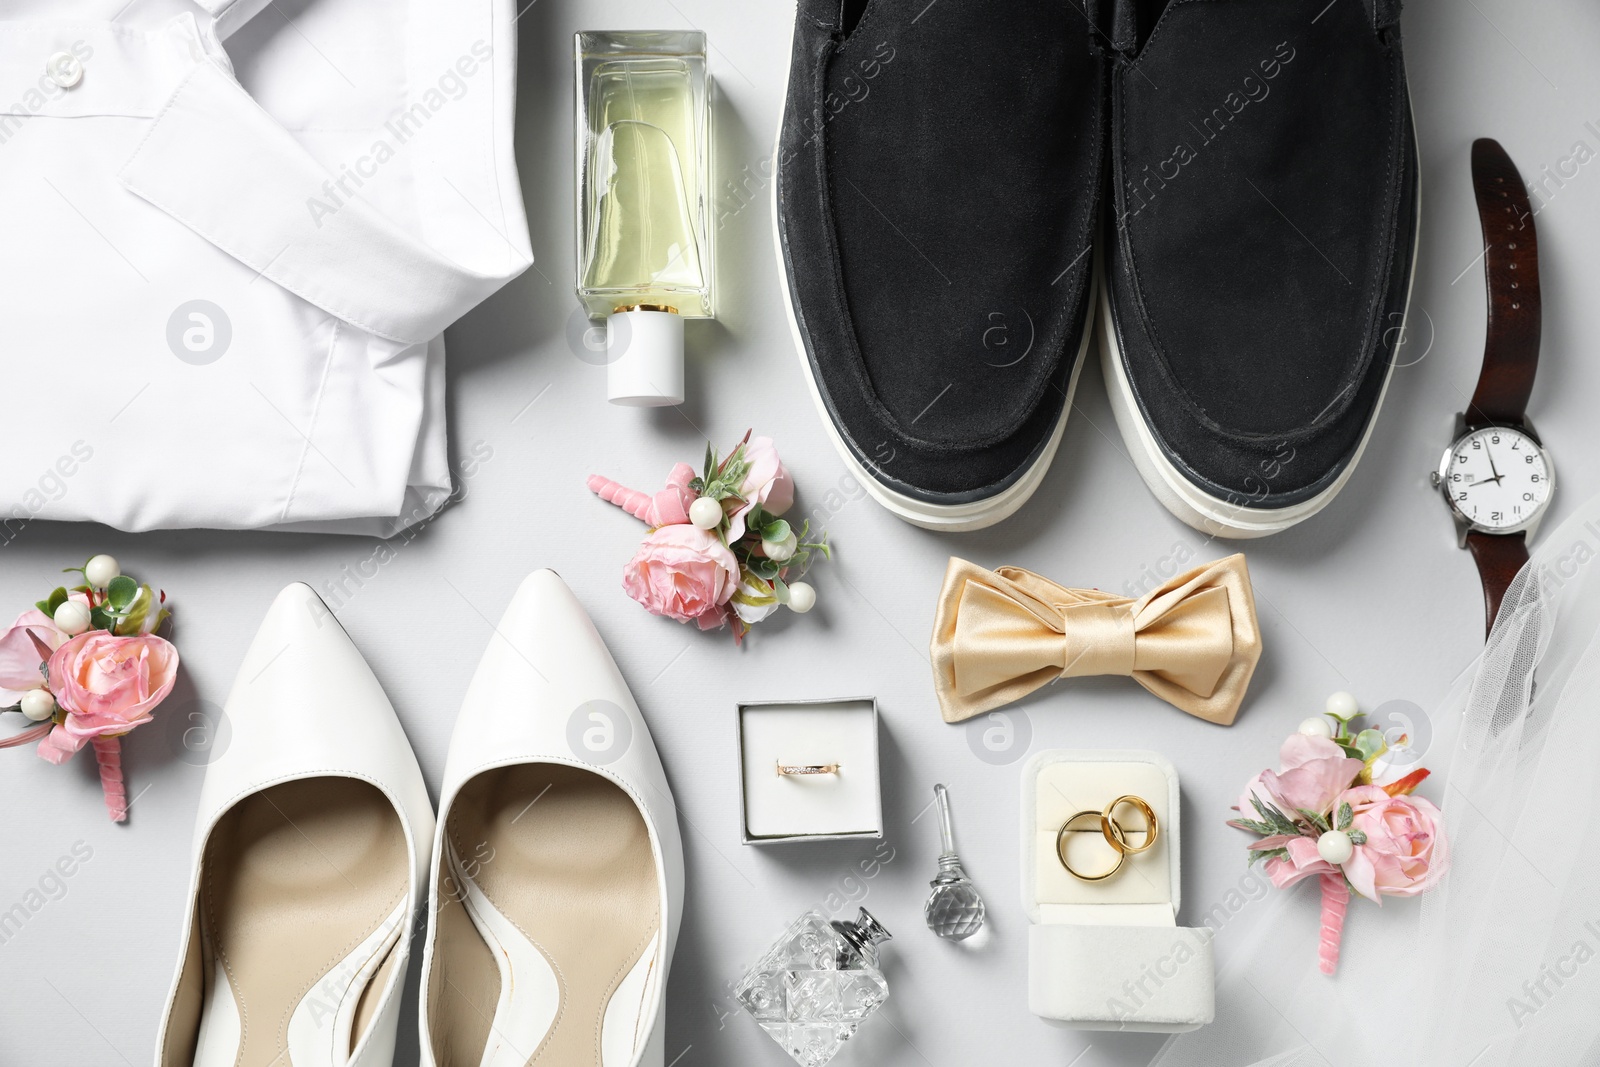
[{"x": 1500, "y": 965}]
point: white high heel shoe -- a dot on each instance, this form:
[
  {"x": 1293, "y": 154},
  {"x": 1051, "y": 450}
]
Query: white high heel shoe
[
  {"x": 308, "y": 862},
  {"x": 558, "y": 881}
]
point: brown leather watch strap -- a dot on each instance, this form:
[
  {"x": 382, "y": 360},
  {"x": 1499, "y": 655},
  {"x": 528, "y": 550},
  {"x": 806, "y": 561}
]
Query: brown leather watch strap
[
  {"x": 1499, "y": 558},
  {"x": 1511, "y": 273}
]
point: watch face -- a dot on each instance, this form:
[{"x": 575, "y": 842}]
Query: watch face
[{"x": 1498, "y": 478}]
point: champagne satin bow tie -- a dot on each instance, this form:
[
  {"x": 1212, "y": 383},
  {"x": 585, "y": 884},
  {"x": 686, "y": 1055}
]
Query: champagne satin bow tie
[{"x": 999, "y": 635}]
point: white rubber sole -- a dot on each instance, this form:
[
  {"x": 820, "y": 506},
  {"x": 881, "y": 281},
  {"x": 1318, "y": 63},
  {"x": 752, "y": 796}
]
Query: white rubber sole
[
  {"x": 950, "y": 518},
  {"x": 1210, "y": 514}
]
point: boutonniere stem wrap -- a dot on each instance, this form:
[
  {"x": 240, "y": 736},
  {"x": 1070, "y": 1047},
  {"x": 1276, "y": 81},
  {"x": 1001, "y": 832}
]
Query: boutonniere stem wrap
[
  {"x": 84, "y": 667},
  {"x": 999, "y": 635}
]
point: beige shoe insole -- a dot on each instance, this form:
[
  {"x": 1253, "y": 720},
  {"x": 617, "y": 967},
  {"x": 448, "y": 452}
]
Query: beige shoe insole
[
  {"x": 296, "y": 878},
  {"x": 563, "y": 856}
]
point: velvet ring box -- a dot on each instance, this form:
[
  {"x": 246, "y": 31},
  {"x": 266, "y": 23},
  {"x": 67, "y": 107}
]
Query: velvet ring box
[
  {"x": 846, "y": 803},
  {"x": 1109, "y": 955}
]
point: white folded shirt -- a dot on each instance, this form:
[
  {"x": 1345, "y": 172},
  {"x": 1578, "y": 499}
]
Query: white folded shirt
[{"x": 226, "y": 274}]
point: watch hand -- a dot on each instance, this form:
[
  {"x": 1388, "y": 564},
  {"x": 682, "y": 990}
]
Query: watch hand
[{"x": 1496, "y": 473}]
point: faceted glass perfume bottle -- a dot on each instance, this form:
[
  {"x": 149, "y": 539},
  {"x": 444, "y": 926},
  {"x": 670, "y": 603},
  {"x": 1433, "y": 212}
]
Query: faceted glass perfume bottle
[
  {"x": 817, "y": 984},
  {"x": 643, "y": 185}
]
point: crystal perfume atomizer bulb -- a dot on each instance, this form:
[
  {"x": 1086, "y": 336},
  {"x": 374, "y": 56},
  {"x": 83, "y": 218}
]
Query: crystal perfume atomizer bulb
[{"x": 954, "y": 910}]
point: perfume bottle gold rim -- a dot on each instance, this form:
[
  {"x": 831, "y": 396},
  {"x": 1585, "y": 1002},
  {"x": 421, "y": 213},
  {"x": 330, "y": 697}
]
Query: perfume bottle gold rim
[{"x": 668, "y": 308}]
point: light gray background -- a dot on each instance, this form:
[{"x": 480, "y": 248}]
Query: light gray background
[{"x": 1371, "y": 596}]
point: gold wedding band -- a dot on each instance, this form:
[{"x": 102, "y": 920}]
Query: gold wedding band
[
  {"x": 807, "y": 768},
  {"x": 1116, "y": 833},
  {"x": 1061, "y": 847}
]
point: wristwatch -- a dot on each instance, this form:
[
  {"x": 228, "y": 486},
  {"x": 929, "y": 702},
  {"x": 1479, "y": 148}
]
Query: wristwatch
[{"x": 1496, "y": 476}]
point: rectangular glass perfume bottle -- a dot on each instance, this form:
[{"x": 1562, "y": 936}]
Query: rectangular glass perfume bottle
[{"x": 643, "y": 187}]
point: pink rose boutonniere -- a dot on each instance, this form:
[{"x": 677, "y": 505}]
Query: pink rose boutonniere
[
  {"x": 1321, "y": 815},
  {"x": 719, "y": 550},
  {"x": 87, "y": 667},
  {"x": 683, "y": 572}
]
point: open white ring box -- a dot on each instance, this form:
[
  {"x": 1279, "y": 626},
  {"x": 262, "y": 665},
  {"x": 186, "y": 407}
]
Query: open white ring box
[
  {"x": 845, "y": 803},
  {"x": 1109, "y": 955}
]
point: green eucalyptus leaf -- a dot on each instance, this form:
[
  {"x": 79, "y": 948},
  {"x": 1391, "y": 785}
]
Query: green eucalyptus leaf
[
  {"x": 776, "y": 530},
  {"x": 1358, "y": 837},
  {"x": 121, "y": 591},
  {"x": 780, "y": 590},
  {"x": 766, "y": 568},
  {"x": 1277, "y": 820},
  {"x": 1264, "y": 854},
  {"x": 101, "y": 619},
  {"x": 1345, "y": 815},
  {"x": 58, "y": 597}
]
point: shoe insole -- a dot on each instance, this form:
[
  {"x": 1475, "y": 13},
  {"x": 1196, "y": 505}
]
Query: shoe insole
[
  {"x": 301, "y": 903},
  {"x": 548, "y": 858}
]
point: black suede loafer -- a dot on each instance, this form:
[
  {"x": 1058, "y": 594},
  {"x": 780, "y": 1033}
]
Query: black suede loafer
[
  {"x": 1259, "y": 247},
  {"x": 937, "y": 177}
]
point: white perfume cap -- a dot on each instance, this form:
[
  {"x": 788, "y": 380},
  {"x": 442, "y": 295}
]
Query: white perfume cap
[{"x": 644, "y": 357}]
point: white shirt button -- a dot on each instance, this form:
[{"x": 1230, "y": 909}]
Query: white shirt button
[{"x": 64, "y": 69}]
